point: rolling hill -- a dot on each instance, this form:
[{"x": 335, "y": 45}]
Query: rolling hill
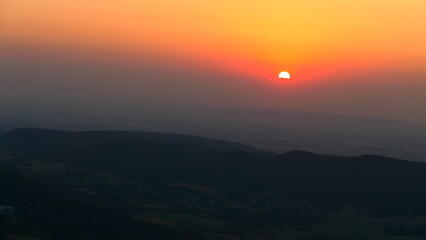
[
  {"x": 171, "y": 178},
  {"x": 36, "y": 141},
  {"x": 47, "y": 212},
  {"x": 272, "y": 130}
]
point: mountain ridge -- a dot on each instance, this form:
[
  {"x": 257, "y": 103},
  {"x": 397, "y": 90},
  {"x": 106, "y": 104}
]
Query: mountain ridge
[
  {"x": 161, "y": 180},
  {"x": 34, "y": 139}
]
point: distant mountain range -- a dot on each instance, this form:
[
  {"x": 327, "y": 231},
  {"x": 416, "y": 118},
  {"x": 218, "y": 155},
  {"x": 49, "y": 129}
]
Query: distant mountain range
[
  {"x": 203, "y": 188},
  {"x": 271, "y": 130}
]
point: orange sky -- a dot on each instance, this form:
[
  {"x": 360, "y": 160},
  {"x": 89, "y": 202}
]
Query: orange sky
[
  {"x": 313, "y": 40},
  {"x": 274, "y": 34}
]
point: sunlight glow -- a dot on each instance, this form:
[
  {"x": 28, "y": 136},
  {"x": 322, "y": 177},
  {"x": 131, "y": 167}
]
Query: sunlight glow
[{"x": 284, "y": 75}]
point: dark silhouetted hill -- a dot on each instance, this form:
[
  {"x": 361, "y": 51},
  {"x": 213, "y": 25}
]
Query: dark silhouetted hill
[
  {"x": 271, "y": 130},
  {"x": 38, "y": 141},
  {"x": 164, "y": 180},
  {"x": 45, "y": 212},
  {"x": 380, "y": 185}
]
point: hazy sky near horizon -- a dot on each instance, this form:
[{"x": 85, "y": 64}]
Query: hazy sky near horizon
[{"x": 356, "y": 57}]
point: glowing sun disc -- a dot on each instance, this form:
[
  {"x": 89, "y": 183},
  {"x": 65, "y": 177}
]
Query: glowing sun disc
[{"x": 284, "y": 75}]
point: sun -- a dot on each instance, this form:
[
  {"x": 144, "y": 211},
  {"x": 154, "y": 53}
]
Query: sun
[{"x": 284, "y": 75}]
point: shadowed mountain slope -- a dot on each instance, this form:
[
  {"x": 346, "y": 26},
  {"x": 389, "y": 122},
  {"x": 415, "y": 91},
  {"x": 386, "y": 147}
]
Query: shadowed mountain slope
[
  {"x": 380, "y": 185},
  {"x": 46, "y": 212}
]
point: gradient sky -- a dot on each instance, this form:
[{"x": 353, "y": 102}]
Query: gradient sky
[{"x": 357, "y": 57}]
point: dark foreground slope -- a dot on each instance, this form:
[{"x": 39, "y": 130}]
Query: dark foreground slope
[
  {"x": 46, "y": 212},
  {"x": 187, "y": 185},
  {"x": 381, "y": 185}
]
